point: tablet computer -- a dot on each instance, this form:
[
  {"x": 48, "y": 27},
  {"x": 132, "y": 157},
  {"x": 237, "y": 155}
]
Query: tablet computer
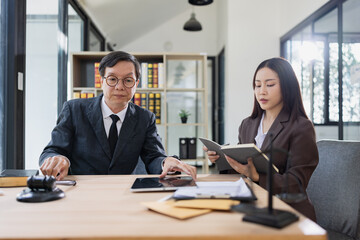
[{"x": 156, "y": 184}]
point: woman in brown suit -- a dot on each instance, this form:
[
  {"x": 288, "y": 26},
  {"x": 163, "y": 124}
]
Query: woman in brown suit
[{"x": 279, "y": 112}]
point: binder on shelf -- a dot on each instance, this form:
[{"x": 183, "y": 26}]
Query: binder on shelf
[
  {"x": 183, "y": 148},
  {"x": 191, "y": 144}
]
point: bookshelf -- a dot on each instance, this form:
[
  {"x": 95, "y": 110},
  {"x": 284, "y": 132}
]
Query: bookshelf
[{"x": 182, "y": 84}]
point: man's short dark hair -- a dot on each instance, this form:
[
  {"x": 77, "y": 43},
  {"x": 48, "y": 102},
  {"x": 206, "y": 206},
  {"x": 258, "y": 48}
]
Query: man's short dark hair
[{"x": 113, "y": 58}]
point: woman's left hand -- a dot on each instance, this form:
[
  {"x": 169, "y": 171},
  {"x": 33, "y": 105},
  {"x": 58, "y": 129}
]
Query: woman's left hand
[{"x": 248, "y": 169}]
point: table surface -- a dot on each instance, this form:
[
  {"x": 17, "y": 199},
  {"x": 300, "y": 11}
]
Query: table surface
[{"x": 102, "y": 207}]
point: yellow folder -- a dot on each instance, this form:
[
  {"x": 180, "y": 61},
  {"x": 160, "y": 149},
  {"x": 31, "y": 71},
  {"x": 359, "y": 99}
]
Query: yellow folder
[
  {"x": 214, "y": 204},
  {"x": 168, "y": 208}
]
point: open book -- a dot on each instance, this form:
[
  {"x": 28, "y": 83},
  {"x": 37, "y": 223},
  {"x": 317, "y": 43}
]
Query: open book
[{"x": 240, "y": 153}]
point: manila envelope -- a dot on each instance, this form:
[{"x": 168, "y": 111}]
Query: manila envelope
[{"x": 168, "y": 208}]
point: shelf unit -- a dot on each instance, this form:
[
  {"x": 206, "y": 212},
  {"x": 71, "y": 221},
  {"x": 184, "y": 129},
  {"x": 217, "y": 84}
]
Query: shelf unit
[{"x": 184, "y": 87}]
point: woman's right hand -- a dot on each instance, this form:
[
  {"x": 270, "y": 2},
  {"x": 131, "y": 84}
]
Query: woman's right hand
[{"x": 211, "y": 154}]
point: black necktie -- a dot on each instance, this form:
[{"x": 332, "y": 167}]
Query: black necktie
[{"x": 113, "y": 134}]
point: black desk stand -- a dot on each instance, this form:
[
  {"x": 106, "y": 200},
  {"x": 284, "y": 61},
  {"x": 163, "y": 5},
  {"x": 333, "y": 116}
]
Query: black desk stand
[{"x": 269, "y": 216}]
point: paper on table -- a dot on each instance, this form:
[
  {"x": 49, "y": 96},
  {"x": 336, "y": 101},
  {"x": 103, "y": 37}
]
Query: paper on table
[
  {"x": 169, "y": 209},
  {"x": 215, "y": 204},
  {"x": 237, "y": 189}
]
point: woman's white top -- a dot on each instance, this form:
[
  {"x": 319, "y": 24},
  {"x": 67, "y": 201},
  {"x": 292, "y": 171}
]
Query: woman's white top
[{"x": 259, "y": 139}]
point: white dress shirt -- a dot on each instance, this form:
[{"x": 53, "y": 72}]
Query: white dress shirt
[{"x": 106, "y": 112}]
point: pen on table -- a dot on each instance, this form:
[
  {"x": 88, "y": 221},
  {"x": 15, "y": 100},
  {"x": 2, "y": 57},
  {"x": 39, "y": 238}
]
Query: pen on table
[{"x": 66, "y": 182}]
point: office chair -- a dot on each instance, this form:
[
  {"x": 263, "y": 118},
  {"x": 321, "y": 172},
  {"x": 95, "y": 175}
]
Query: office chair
[{"x": 334, "y": 188}]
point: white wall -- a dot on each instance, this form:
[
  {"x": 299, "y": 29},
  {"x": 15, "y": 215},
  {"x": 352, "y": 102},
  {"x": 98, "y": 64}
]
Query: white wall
[
  {"x": 253, "y": 35},
  {"x": 170, "y": 36}
]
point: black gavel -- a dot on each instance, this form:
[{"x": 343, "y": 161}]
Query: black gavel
[{"x": 46, "y": 183}]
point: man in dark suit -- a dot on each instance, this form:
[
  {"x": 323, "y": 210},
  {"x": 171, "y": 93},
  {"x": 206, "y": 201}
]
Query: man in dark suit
[{"x": 107, "y": 134}]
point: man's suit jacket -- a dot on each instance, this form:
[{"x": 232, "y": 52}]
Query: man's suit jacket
[
  {"x": 295, "y": 135},
  {"x": 80, "y": 136}
]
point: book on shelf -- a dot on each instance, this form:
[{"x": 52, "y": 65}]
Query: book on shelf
[
  {"x": 155, "y": 75},
  {"x": 151, "y": 102},
  {"x": 144, "y": 75},
  {"x": 83, "y": 94},
  {"x": 144, "y": 100},
  {"x": 158, "y": 108},
  {"x": 150, "y": 75},
  {"x": 90, "y": 95},
  {"x": 137, "y": 99},
  {"x": 161, "y": 75},
  {"x": 97, "y": 75},
  {"x": 16, "y": 177},
  {"x": 240, "y": 153},
  {"x": 76, "y": 95}
]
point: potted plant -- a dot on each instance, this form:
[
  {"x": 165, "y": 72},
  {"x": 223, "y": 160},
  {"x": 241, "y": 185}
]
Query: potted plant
[{"x": 184, "y": 115}]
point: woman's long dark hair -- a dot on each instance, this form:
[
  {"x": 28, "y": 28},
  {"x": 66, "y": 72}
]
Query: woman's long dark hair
[{"x": 289, "y": 85}]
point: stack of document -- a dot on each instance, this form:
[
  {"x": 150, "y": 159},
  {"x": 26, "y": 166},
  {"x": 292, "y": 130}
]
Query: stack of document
[{"x": 238, "y": 190}]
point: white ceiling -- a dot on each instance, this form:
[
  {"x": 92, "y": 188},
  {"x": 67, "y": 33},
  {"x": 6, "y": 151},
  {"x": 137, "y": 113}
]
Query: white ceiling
[{"x": 122, "y": 21}]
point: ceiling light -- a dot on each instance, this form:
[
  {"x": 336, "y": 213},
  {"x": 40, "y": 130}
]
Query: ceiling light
[
  {"x": 192, "y": 24},
  {"x": 200, "y": 2}
]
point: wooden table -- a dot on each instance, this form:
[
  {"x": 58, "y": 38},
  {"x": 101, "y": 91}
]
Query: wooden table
[{"x": 102, "y": 207}]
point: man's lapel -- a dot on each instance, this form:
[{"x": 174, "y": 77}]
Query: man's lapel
[{"x": 96, "y": 120}]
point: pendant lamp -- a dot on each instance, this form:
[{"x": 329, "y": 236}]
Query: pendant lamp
[
  {"x": 200, "y": 2},
  {"x": 192, "y": 24}
]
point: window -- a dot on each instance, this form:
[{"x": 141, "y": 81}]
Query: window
[
  {"x": 96, "y": 41},
  {"x": 325, "y": 81},
  {"x": 41, "y": 77}
]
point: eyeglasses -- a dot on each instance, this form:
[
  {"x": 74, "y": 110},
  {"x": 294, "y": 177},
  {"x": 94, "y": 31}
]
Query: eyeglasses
[{"x": 112, "y": 81}]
